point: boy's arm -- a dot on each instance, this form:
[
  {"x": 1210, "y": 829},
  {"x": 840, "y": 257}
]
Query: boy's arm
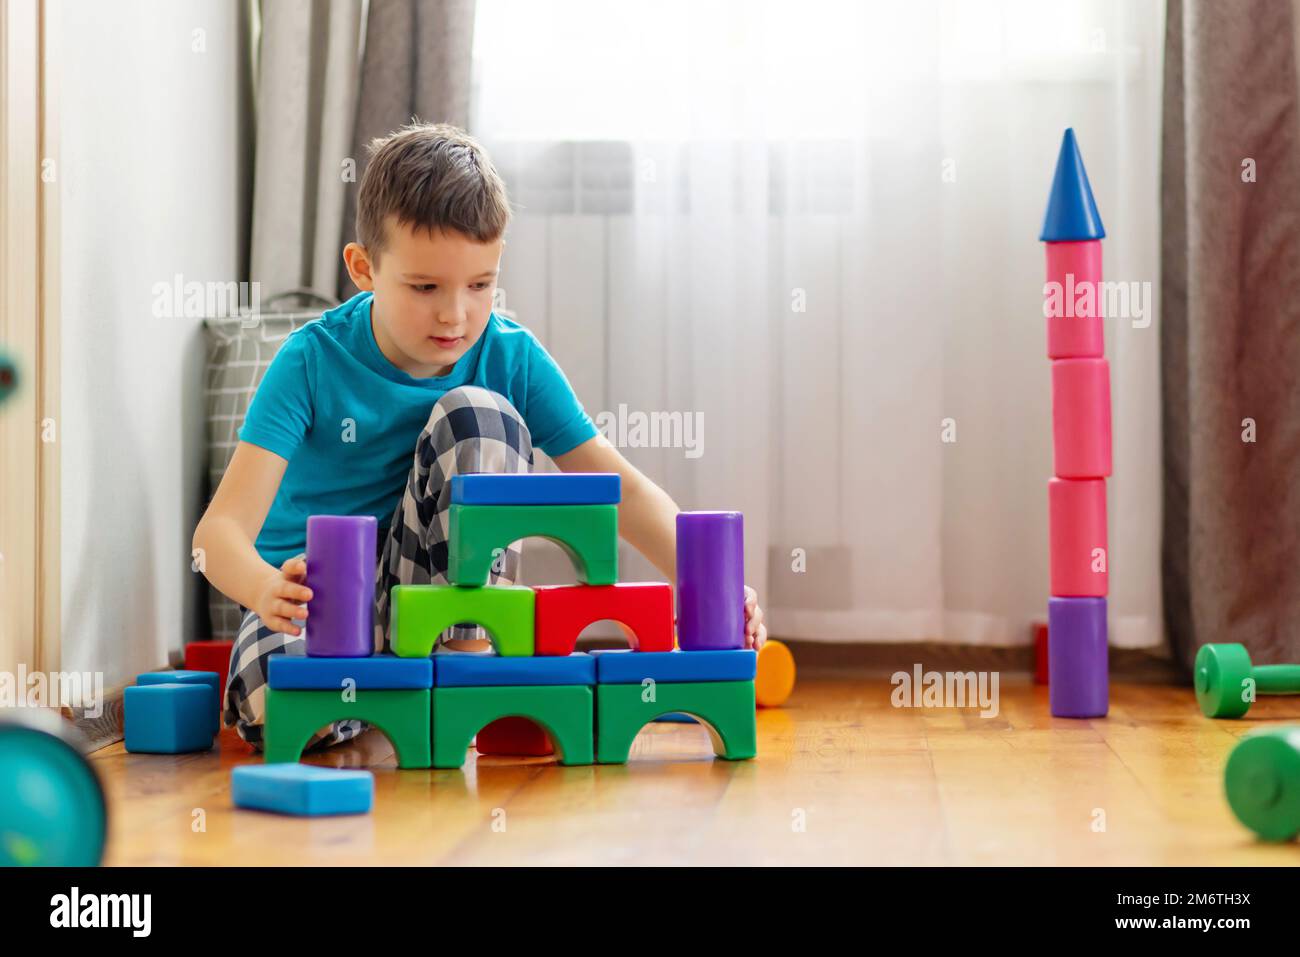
[
  {"x": 647, "y": 517},
  {"x": 226, "y": 533}
]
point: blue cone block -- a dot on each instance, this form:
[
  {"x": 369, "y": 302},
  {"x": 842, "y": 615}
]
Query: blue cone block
[
  {"x": 182, "y": 677},
  {"x": 168, "y": 718},
  {"x": 302, "y": 789},
  {"x": 1071, "y": 211}
]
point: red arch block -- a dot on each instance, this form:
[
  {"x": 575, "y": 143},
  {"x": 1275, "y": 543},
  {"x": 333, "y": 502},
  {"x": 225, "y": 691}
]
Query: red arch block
[{"x": 562, "y": 611}]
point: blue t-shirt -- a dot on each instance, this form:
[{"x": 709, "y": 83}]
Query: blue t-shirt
[{"x": 347, "y": 420}]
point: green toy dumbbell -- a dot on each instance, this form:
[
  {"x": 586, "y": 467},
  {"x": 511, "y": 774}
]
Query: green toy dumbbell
[
  {"x": 1221, "y": 673},
  {"x": 1262, "y": 778}
]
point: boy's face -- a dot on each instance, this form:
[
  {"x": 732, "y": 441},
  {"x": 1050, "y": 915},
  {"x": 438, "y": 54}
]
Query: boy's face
[{"x": 433, "y": 295}]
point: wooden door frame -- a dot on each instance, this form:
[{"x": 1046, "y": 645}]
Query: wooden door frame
[{"x": 30, "y": 631}]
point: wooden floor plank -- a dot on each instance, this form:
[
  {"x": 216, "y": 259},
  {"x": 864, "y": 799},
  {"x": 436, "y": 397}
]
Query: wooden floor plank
[{"x": 842, "y": 777}]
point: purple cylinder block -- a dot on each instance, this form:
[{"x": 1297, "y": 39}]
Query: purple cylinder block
[
  {"x": 1078, "y": 671},
  {"x": 710, "y": 581},
  {"x": 341, "y": 576}
]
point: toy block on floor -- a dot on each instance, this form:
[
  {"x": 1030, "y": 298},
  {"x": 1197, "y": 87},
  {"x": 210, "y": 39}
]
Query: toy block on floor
[
  {"x": 1081, "y": 418},
  {"x": 587, "y": 533},
  {"x": 302, "y": 789},
  {"x": 168, "y": 718},
  {"x": 618, "y": 666},
  {"x": 774, "y": 674},
  {"x": 210, "y": 656},
  {"x": 725, "y": 708},
  {"x": 517, "y": 737},
  {"x": 1078, "y": 669},
  {"x": 488, "y": 671},
  {"x": 1041, "y": 675},
  {"x": 209, "y": 679},
  {"x": 1077, "y": 537},
  {"x": 531, "y": 488},
  {"x": 378, "y": 673},
  {"x": 420, "y": 613},
  {"x": 565, "y": 712},
  {"x": 563, "y": 611},
  {"x": 292, "y": 717}
]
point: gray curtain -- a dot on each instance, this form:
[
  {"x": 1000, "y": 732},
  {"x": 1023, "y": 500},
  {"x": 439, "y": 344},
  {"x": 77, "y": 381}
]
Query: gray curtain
[
  {"x": 333, "y": 75},
  {"x": 1230, "y": 327},
  {"x": 416, "y": 65},
  {"x": 308, "y": 64}
]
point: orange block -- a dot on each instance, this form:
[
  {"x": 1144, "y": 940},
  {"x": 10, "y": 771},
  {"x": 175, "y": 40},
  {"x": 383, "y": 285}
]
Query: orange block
[{"x": 775, "y": 678}]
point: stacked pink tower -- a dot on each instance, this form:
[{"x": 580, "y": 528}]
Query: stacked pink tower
[{"x": 1077, "y": 645}]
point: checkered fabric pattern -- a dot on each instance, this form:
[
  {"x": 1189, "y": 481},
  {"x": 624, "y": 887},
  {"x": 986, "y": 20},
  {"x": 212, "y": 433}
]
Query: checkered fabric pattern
[{"x": 470, "y": 429}]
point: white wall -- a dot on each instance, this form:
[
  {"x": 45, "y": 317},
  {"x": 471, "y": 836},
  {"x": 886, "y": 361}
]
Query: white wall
[{"x": 151, "y": 175}]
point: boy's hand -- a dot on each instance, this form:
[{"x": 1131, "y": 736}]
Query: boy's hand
[
  {"x": 755, "y": 630},
  {"x": 279, "y": 602}
]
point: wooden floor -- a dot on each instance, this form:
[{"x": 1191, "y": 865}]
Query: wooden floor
[{"x": 870, "y": 784}]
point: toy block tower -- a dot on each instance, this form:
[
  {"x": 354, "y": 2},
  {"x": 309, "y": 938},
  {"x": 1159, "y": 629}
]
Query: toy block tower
[
  {"x": 1081, "y": 443},
  {"x": 340, "y": 677},
  {"x": 432, "y": 706}
]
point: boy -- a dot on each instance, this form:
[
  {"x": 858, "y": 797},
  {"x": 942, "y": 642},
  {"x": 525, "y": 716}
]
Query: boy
[{"x": 416, "y": 363}]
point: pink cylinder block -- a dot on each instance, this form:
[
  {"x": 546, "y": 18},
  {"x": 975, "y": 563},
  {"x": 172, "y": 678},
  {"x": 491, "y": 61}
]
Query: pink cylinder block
[
  {"x": 1081, "y": 418},
  {"x": 1071, "y": 303},
  {"x": 1076, "y": 514}
]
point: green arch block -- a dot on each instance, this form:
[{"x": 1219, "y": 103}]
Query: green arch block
[
  {"x": 725, "y": 708},
  {"x": 420, "y": 613},
  {"x": 293, "y": 716},
  {"x": 565, "y": 712},
  {"x": 587, "y": 533}
]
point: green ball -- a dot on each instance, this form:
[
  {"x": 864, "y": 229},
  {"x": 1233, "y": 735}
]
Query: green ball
[
  {"x": 52, "y": 811},
  {"x": 1262, "y": 779},
  {"x": 1220, "y": 674}
]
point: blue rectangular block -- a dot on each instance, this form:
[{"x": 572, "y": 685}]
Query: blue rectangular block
[
  {"x": 181, "y": 677},
  {"x": 620, "y": 666},
  {"x": 377, "y": 673},
  {"x": 302, "y": 789},
  {"x": 526, "y": 488},
  {"x": 475, "y": 671},
  {"x": 168, "y": 718}
]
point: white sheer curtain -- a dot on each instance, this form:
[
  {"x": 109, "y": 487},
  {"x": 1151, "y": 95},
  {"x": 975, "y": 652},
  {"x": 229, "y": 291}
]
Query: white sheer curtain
[{"x": 812, "y": 228}]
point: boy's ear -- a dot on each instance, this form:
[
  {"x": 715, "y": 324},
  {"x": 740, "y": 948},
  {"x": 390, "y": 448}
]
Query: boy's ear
[{"x": 360, "y": 269}]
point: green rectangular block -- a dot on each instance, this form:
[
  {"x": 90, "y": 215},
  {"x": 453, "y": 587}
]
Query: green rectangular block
[
  {"x": 587, "y": 533},
  {"x": 565, "y": 712},
  {"x": 725, "y": 708},
  {"x": 420, "y": 613},
  {"x": 292, "y": 717}
]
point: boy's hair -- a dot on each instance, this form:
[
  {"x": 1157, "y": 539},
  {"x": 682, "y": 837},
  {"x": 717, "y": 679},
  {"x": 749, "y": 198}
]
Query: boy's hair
[{"x": 432, "y": 176}]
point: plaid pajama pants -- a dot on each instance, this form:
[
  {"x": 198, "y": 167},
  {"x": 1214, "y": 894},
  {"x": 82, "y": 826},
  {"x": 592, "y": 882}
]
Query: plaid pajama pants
[{"x": 470, "y": 429}]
